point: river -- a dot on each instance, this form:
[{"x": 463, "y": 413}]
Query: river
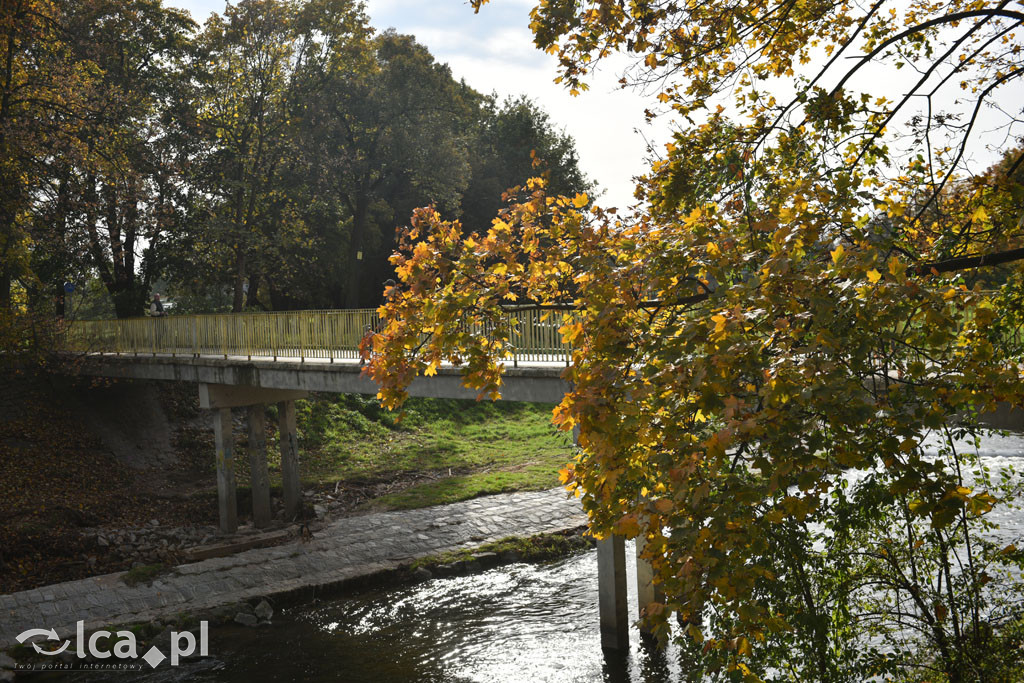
[{"x": 521, "y": 622}]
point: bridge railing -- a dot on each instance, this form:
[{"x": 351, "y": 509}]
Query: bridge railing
[{"x": 300, "y": 335}]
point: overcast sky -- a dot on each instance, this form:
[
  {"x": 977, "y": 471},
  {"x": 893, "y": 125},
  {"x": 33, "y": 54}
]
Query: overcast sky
[{"x": 494, "y": 52}]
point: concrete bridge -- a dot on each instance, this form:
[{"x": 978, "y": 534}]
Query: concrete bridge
[{"x": 252, "y": 360}]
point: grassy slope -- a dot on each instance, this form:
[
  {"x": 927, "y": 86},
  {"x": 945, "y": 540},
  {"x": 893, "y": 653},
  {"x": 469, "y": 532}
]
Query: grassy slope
[{"x": 489, "y": 447}]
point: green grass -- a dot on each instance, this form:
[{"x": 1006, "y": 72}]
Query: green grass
[
  {"x": 144, "y": 574},
  {"x": 530, "y": 549},
  {"x": 454, "y": 489},
  {"x": 470, "y": 448}
]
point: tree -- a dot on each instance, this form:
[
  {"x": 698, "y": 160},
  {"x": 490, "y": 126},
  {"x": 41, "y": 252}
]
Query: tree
[
  {"x": 89, "y": 159},
  {"x": 772, "y": 340},
  {"x": 388, "y": 137},
  {"x": 126, "y": 193},
  {"x": 511, "y": 137},
  {"x": 254, "y": 72},
  {"x": 41, "y": 91}
]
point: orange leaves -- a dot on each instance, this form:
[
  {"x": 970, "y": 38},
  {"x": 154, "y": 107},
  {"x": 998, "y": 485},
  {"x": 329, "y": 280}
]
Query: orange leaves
[
  {"x": 664, "y": 506},
  {"x": 628, "y": 526}
]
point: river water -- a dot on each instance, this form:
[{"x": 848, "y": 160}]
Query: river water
[{"x": 521, "y": 622}]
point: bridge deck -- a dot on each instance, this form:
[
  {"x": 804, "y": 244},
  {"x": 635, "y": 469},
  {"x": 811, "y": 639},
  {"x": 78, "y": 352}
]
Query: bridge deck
[
  {"x": 537, "y": 381},
  {"x": 529, "y": 336}
]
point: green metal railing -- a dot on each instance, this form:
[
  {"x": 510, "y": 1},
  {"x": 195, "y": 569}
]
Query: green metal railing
[{"x": 303, "y": 335}]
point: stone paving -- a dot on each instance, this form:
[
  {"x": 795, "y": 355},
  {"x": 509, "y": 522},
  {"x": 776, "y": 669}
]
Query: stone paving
[{"x": 347, "y": 548}]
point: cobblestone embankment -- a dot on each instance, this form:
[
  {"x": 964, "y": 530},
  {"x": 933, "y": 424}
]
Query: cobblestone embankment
[{"x": 346, "y": 549}]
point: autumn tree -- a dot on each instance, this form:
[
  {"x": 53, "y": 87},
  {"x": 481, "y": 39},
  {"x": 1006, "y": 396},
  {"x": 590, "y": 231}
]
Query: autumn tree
[
  {"x": 126, "y": 192},
  {"x": 42, "y": 86},
  {"x": 768, "y": 350}
]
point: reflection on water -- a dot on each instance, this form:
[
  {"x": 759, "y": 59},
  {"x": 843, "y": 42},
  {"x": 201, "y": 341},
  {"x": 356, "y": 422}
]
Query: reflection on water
[
  {"x": 521, "y": 622},
  {"x": 515, "y": 623}
]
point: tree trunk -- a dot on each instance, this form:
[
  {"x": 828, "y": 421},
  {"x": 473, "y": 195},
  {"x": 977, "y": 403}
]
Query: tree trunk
[
  {"x": 61, "y": 299},
  {"x": 355, "y": 263},
  {"x": 251, "y": 298},
  {"x": 238, "y": 301},
  {"x": 5, "y": 288}
]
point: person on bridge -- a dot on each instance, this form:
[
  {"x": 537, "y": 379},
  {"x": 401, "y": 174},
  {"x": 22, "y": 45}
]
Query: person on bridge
[{"x": 156, "y": 309}]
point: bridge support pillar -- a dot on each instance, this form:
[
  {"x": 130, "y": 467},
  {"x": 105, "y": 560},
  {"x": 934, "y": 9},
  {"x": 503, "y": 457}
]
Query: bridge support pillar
[
  {"x": 226, "y": 490},
  {"x": 646, "y": 591},
  {"x": 259, "y": 477},
  {"x": 611, "y": 593},
  {"x": 289, "y": 460}
]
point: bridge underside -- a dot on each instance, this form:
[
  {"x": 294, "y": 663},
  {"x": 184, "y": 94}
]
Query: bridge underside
[{"x": 237, "y": 382}]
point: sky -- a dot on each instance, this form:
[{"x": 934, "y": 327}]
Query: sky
[{"x": 494, "y": 52}]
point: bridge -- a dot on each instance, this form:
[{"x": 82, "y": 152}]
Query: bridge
[{"x": 253, "y": 359}]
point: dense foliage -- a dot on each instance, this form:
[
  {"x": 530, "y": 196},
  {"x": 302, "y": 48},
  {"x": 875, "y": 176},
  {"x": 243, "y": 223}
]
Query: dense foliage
[
  {"x": 263, "y": 160},
  {"x": 784, "y": 354}
]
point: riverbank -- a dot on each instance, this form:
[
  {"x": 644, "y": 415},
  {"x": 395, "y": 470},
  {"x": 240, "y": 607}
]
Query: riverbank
[
  {"x": 101, "y": 477},
  {"x": 345, "y": 550}
]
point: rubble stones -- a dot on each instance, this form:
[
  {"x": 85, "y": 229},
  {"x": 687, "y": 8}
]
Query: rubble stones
[
  {"x": 264, "y": 611},
  {"x": 246, "y": 619}
]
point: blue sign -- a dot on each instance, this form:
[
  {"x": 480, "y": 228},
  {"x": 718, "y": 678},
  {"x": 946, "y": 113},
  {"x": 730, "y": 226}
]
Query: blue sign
[{"x": 69, "y": 287}]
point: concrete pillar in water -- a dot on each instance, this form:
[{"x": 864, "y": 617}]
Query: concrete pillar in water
[
  {"x": 611, "y": 591},
  {"x": 259, "y": 477},
  {"x": 289, "y": 460},
  {"x": 646, "y": 591},
  {"x": 226, "y": 491},
  {"x": 611, "y": 586}
]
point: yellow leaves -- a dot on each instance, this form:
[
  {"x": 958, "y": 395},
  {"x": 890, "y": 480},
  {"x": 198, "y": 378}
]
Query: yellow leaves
[
  {"x": 896, "y": 267},
  {"x": 499, "y": 269},
  {"x": 561, "y": 417},
  {"x": 580, "y": 200},
  {"x": 713, "y": 249},
  {"x": 874, "y": 276},
  {"x": 431, "y": 368},
  {"x": 979, "y": 214},
  {"x": 837, "y": 254},
  {"x": 571, "y": 331}
]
